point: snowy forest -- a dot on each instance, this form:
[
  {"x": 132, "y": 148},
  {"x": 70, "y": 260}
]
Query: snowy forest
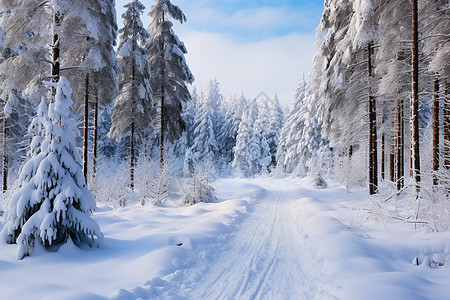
[{"x": 97, "y": 114}]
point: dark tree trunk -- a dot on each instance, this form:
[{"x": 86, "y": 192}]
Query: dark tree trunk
[
  {"x": 447, "y": 128},
  {"x": 373, "y": 155},
  {"x": 56, "y": 67},
  {"x": 162, "y": 113},
  {"x": 415, "y": 99},
  {"x": 86, "y": 127},
  {"x": 5, "y": 152},
  {"x": 391, "y": 165},
  {"x": 383, "y": 154},
  {"x": 393, "y": 151},
  {"x": 436, "y": 133},
  {"x": 132, "y": 156},
  {"x": 161, "y": 145},
  {"x": 95, "y": 137},
  {"x": 400, "y": 142},
  {"x": 133, "y": 95}
]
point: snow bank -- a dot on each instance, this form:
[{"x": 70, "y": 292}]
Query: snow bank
[{"x": 143, "y": 246}]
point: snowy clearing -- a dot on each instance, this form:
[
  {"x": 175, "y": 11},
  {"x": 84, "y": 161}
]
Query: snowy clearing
[{"x": 262, "y": 239}]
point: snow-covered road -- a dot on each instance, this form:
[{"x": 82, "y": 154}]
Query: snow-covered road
[{"x": 263, "y": 258}]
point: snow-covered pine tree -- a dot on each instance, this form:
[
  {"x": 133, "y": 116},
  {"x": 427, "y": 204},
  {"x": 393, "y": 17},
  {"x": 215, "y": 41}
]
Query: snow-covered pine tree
[
  {"x": 363, "y": 33},
  {"x": 170, "y": 72},
  {"x": 247, "y": 150},
  {"x": 134, "y": 104},
  {"x": 23, "y": 49},
  {"x": 434, "y": 16},
  {"x": 276, "y": 123},
  {"x": 234, "y": 110},
  {"x": 88, "y": 57},
  {"x": 302, "y": 147},
  {"x": 189, "y": 114},
  {"x": 204, "y": 147},
  {"x": 394, "y": 69},
  {"x": 217, "y": 116},
  {"x": 261, "y": 136},
  {"x": 335, "y": 49},
  {"x": 52, "y": 203},
  {"x": 287, "y": 145},
  {"x": 17, "y": 112},
  {"x": 25, "y": 39},
  {"x": 107, "y": 148}
]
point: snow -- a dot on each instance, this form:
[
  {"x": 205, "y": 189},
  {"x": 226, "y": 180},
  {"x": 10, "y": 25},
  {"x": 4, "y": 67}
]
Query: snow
[{"x": 262, "y": 238}]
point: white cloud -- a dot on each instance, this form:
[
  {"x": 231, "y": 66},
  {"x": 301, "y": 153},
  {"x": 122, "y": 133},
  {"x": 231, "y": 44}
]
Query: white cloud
[{"x": 273, "y": 65}]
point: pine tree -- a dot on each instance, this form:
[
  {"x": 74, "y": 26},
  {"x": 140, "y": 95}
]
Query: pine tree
[
  {"x": 261, "y": 137},
  {"x": 241, "y": 162},
  {"x": 204, "y": 148},
  {"x": 394, "y": 69},
  {"x": 134, "y": 103},
  {"x": 294, "y": 124},
  {"x": 170, "y": 73},
  {"x": 276, "y": 123},
  {"x": 52, "y": 203},
  {"x": 233, "y": 115}
]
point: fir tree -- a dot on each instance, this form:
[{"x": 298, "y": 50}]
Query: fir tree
[
  {"x": 204, "y": 148},
  {"x": 134, "y": 103},
  {"x": 52, "y": 203},
  {"x": 170, "y": 73}
]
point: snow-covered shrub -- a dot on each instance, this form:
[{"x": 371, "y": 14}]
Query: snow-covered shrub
[
  {"x": 53, "y": 202},
  {"x": 112, "y": 184},
  {"x": 156, "y": 187},
  {"x": 199, "y": 189}
]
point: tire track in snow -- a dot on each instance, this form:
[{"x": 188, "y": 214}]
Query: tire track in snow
[{"x": 262, "y": 258}]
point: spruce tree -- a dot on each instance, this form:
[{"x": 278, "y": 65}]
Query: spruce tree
[
  {"x": 170, "y": 72},
  {"x": 204, "y": 148},
  {"x": 52, "y": 203}
]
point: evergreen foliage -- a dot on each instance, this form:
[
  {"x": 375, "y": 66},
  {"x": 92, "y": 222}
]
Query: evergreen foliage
[
  {"x": 52, "y": 203},
  {"x": 170, "y": 72}
]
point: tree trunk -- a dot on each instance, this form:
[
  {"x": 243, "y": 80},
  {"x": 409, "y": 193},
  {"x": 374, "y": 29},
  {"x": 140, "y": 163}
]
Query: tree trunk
[
  {"x": 391, "y": 165},
  {"x": 392, "y": 154},
  {"x": 415, "y": 99},
  {"x": 383, "y": 161},
  {"x": 86, "y": 127},
  {"x": 436, "y": 133},
  {"x": 132, "y": 156},
  {"x": 95, "y": 137},
  {"x": 56, "y": 68},
  {"x": 133, "y": 95},
  {"x": 399, "y": 167},
  {"x": 373, "y": 155},
  {"x": 161, "y": 144},
  {"x": 5, "y": 152},
  {"x": 447, "y": 129}
]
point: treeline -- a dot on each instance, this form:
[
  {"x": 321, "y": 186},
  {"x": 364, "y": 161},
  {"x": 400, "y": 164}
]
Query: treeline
[
  {"x": 234, "y": 135},
  {"x": 130, "y": 92},
  {"x": 128, "y": 96},
  {"x": 377, "y": 102}
]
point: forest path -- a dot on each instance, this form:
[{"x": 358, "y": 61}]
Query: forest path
[{"x": 265, "y": 257}]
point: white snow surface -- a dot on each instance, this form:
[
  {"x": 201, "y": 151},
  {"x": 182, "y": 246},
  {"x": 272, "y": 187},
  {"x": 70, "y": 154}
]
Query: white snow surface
[{"x": 262, "y": 238}]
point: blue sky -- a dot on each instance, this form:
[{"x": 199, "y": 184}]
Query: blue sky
[{"x": 248, "y": 46}]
